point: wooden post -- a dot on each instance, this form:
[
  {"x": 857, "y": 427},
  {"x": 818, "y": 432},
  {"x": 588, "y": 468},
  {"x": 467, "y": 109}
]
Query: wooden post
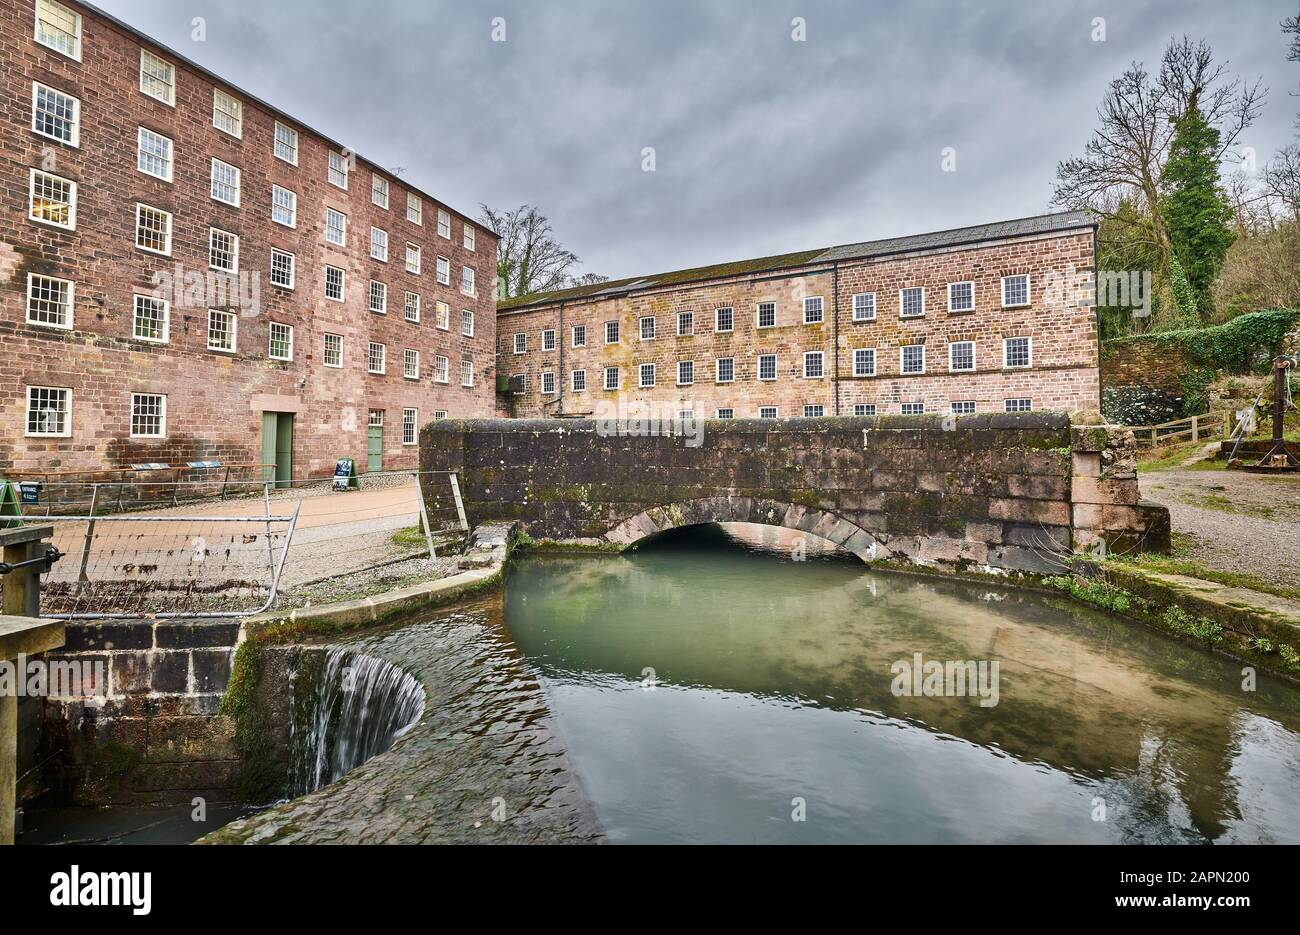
[{"x": 21, "y": 634}]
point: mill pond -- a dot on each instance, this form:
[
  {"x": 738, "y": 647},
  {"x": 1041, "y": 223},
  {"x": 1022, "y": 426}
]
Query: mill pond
[{"x": 714, "y": 687}]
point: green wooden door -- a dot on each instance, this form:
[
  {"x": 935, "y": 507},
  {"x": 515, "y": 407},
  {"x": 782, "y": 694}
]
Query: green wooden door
[
  {"x": 284, "y": 450},
  {"x": 375, "y": 441},
  {"x": 277, "y": 447},
  {"x": 270, "y": 422}
]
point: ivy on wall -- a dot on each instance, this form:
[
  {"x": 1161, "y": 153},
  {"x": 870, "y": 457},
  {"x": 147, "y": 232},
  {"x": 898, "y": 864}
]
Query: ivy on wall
[{"x": 1244, "y": 344}]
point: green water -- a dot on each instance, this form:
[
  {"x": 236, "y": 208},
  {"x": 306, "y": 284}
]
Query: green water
[{"x": 711, "y": 691}]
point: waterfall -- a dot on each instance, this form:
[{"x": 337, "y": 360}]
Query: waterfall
[{"x": 356, "y": 707}]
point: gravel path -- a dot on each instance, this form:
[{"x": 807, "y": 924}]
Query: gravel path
[{"x": 1234, "y": 521}]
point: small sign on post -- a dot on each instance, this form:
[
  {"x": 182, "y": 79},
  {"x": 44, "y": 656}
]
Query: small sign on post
[{"x": 345, "y": 475}]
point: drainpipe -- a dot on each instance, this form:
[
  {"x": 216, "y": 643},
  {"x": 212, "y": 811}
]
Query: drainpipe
[{"x": 835, "y": 279}]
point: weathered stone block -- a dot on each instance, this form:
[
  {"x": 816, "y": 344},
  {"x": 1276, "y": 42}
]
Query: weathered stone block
[{"x": 1050, "y": 512}]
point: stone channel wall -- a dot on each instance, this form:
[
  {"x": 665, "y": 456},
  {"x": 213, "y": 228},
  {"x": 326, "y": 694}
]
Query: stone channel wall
[
  {"x": 989, "y": 491},
  {"x": 150, "y": 733}
]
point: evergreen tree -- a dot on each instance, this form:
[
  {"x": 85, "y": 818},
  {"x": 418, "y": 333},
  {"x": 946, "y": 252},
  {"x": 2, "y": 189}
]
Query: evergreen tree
[{"x": 1194, "y": 205}]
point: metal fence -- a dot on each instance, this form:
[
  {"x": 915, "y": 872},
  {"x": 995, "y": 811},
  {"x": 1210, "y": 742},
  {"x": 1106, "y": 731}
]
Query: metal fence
[
  {"x": 130, "y": 566},
  {"x": 230, "y": 556}
]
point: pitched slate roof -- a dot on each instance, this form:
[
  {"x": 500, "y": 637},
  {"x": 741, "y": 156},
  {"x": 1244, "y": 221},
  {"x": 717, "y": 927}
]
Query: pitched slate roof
[{"x": 1021, "y": 227}]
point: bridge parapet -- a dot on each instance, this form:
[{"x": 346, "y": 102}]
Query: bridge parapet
[{"x": 999, "y": 491}]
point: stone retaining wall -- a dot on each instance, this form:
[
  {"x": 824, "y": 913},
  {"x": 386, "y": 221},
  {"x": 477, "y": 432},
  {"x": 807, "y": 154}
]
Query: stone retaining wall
[
  {"x": 150, "y": 733},
  {"x": 997, "y": 491}
]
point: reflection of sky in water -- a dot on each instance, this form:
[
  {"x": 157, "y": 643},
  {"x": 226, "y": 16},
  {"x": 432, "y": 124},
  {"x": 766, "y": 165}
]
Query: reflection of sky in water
[{"x": 774, "y": 684}]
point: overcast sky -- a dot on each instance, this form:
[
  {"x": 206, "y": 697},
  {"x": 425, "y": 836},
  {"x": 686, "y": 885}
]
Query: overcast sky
[{"x": 762, "y": 144}]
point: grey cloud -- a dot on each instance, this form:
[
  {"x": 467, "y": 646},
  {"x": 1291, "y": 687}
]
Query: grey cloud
[{"x": 763, "y": 145}]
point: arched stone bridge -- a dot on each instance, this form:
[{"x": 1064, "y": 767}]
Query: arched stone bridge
[{"x": 1001, "y": 491}]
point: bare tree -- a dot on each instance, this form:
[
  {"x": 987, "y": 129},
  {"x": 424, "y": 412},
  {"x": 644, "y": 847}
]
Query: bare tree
[
  {"x": 529, "y": 258},
  {"x": 1282, "y": 178},
  {"x": 587, "y": 279},
  {"x": 1291, "y": 27},
  {"x": 1122, "y": 165}
]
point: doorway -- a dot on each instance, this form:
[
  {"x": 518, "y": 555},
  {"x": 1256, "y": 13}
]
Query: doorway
[
  {"x": 277, "y": 447},
  {"x": 375, "y": 441}
]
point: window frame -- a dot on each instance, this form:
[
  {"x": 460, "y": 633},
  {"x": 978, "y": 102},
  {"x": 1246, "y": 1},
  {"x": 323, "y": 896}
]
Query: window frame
[
  {"x": 690, "y": 365},
  {"x": 170, "y": 99},
  {"x": 276, "y": 143},
  {"x": 775, "y": 410},
  {"x": 370, "y": 358},
  {"x": 162, "y": 416},
  {"x": 406, "y": 363},
  {"x": 381, "y": 293},
  {"x": 325, "y": 350},
  {"x": 234, "y": 251},
  {"x": 343, "y": 283},
  {"x": 618, "y": 379},
  {"x": 902, "y": 360},
  {"x": 418, "y": 268},
  {"x": 140, "y": 207},
  {"x": 270, "y": 340},
  {"x": 442, "y": 271},
  {"x": 1006, "y": 404},
  {"x": 758, "y": 315},
  {"x": 72, "y": 200},
  {"x": 853, "y": 302},
  {"x": 902, "y": 302},
  {"x": 874, "y": 361},
  {"x": 342, "y": 169},
  {"x": 74, "y": 122},
  {"x": 464, "y": 312},
  {"x": 166, "y": 321},
  {"x": 407, "y": 296},
  {"x": 67, "y": 412},
  {"x": 641, "y": 328},
  {"x": 573, "y": 380},
  {"x": 821, "y": 365},
  {"x": 232, "y": 319},
  {"x": 953, "y": 404},
  {"x": 689, "y": 317},
  {"x": 378, "y": 238},
  {"x": 77, "y": 24},
  {"x": 330, "y": 213},
  {"x": 293, "y": 269},
  {"x": 379, "y": 184},
  {"x": 1029, "y": 293},
  {"x": 573, "y": 336},
  {"x": 238, "y": 183},
  {"x": 1029, "y": 353},
  {"x": 70, "y": 289},
  {"x": 952, "y": 367},
  {"x": 821, "y": 310},
  {"x": 758, "y": 368},
  {"x": 731, "y": 319},
  {"x": 717, "y": 370},
  {"x": 441, "y": 369},
  {"x": 618, "y": 332},
  {"x": 413, "y": 424},
  {"x": 961, "y": 311},
  {"x": 237, "y": 117},
  {"x": 293, "y": 206}
]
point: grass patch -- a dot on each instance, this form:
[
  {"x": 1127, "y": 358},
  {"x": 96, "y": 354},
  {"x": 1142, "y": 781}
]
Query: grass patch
[
  {"x": 411, "y": 535},
  {"x": 1170, "y": 457},
  {"x": 1214, "y": 501}
]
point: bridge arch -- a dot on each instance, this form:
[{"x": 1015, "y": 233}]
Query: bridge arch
[{"x": 824, "y": 524}]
